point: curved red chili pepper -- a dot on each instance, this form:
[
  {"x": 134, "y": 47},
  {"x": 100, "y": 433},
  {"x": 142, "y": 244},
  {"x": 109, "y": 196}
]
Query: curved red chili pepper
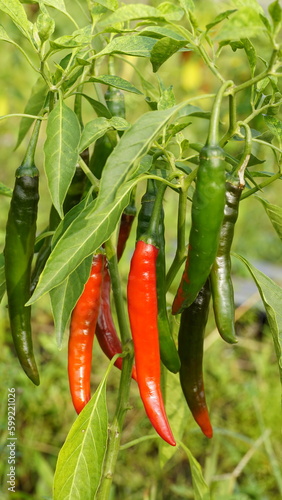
[
  {"x": 143, "y": 316},
  {"x": 105, "y": 328},
  {"x": 82, "y": 328}
]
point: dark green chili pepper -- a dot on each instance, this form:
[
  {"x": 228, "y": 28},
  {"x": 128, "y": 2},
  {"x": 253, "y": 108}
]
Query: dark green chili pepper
[
  {"x": 104, "y": 145},
  {"x": 207, "y": 215},
  {"x": 18, "y": 251},
  {"x": 168, "y": 351},
  {"x": 190, "y": 348},
  {"x": 221, "y": 283}
]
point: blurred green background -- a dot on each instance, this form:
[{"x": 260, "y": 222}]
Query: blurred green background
[{"x": 243, "y": 460}]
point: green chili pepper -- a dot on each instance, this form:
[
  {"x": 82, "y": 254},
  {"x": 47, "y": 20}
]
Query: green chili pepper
[
  {"x": 207, "y": 215},
  {"x": 18, "y": 251},
  {"x": 190, "y": 347},
  {"x": 168, "y": 351},
  {"x": 104, "y": 145},
  {"x": 221, "y": 283}
]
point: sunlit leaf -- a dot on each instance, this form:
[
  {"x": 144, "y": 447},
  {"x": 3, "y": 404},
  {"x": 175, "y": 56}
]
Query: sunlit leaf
[
  {"x": 271, "y": 295},
  {"x": 16, "y": 12},
  {"x": 132, "y": 45},
  {"x": 61, "y": 152},
  {"x": 117, "y": 82},
  {"x": 200, "y": 487},
  {"x": 274, "y": 213},
  {"x": 163, "y": 50},
  {"x": 80, "y": 461}
]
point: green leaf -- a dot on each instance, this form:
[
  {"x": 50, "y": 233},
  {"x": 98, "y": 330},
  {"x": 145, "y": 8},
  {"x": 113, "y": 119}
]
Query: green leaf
[
  {"x": 161, "y": 31},
  {"x": 132, "y": 45},
  {"x": 56, "y": 4},
  {"x": 170, "y": 11},
  {"x": 275, "y": 126},
  {"x": 219, "y": 18},
  {"x": 271, "y": 295},
  {"x": 5, "y": 190},
  {"x": 64, "y": 297},
  {"x": 167, "y": 99},
  {"x": 4, "y": 35},
  {"x": 33, "y": 107},
  {"x": 16, "y": 12},
  {"x": 98, "y": 107},
  {"x": 92, "y": 131},
  {"x": 133, "y": 145},
  {"x": 130, "y": 12},
  {"x": 275, "y": 11},
  {"x": 117, "y": 82},
  {"x": 61, "y": 152},
  {"x": 109, "y": 4},
  {"x": 250, "y": 53},
  {"x": 80, "y": 461},
  {"x": 83, "y": 236},
  {"x": 2, "y": 276},
  {"x": 187, "y": 5},
  {"x": 201, "y": 489},
  {"x": 163, "y": 50},
  {"x": 177, "y": 413},
  {"x": 274, "y": 213},
  {"x": 245, "y": 23}
]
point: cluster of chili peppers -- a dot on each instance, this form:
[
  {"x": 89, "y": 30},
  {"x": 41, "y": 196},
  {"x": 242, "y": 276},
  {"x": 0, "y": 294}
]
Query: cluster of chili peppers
[{"x": 206, "y": 274}]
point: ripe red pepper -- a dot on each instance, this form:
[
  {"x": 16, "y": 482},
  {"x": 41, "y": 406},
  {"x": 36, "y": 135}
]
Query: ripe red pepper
[
  {"x": 143, "y": 316},
  {"x": 82, "y": 328},
  {"x": 105, "y": 329}
]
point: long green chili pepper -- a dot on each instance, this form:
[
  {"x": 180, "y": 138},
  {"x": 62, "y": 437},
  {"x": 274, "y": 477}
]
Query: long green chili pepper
[
  {"x": 207, "y": 214},
  {"x": 104, "y": 145},
  {"x": 190, "y": 347},
  {"x": 169, "y": 355},
  {"x": 220, "y": 277},
  {"x": 18, "y": 251}
]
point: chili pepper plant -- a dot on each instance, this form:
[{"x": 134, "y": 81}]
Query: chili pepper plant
[{"x": 117, "y": 137}]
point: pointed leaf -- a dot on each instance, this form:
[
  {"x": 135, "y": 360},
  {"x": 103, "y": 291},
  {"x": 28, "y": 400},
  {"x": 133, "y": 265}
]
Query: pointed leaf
[
  {"x": 16, "y": 12},
  {"x": 251, "y": 53},
  {"x": 163, "y": 50},
  {"x": 219, "y": 18},
  {"x": 201, "y": 489},
  {"x": 132, "y": 45},
  {"x": 4, "y": 35},
  {"x": 117, "y": 82},
  {"x": 130, "y": 12},
  {"x": 98, "y": 107},
  {"x": 80, "y": 461},
  {"x": 170, "y": 11},
  {"x": 161, "y": 31},
  {"x": 244, "y": 23},
  {"x": 274, "y": 213},
  {"x": 61, "y": 152},
  {"x": 271, "y": 295},
  {"x": 33, "y": 107},
  {"x": 65, "y": 296},
  {"x": 109, "y": 4},
  {"x": 275, "y": 11},
  {"x": 5, "y": 190},
  {"x": 57, "y": 4},
  {"x": 92, "y": 131},
  {"x": 83, "y": 236},
  {"x": 274, "y": 125}
]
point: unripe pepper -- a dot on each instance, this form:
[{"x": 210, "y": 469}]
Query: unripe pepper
[
  {"x": 220, "y": 277},
  {"x": 207, "y": 215},
  {"x": 143, "y": 316},
  {"x": 190, "y": 347},
  {"x": 82, "y": 328},
  {"x": 18, "y": 251}
]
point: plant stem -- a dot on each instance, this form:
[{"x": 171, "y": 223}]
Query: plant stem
[
  {"x": 232, "y": 121},
  {"x": 265, "y": 183},
  {"x": 212, "y": 139},
  {"x": 114, "y": 435}
]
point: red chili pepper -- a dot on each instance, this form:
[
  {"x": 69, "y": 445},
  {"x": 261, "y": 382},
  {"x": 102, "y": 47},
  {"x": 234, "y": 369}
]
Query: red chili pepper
[
  {"x": 105, "y": 328},
  {"x": 143, "y": 316},
  {"x": 82, "y": 328}
]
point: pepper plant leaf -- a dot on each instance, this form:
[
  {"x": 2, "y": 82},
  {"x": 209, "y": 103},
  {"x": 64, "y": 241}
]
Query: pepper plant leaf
[
  {"x": 271, "y": 295},
  {"x": 61, "y": 152},
  {"x": 117, "y": 82},
  {"x": 131, "y": 45},
  {"x": 64, "y": 297},
  {"x": 16, "y": 12},
  {"x": 163, "y": 50},
  {"x": 80, "y": 461},
  {"x": 274, "y": 213},
  {"x": 200, "y": 487},
  {"x": 2, "y": 276},
  {"x": 130, "y": 12}
]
